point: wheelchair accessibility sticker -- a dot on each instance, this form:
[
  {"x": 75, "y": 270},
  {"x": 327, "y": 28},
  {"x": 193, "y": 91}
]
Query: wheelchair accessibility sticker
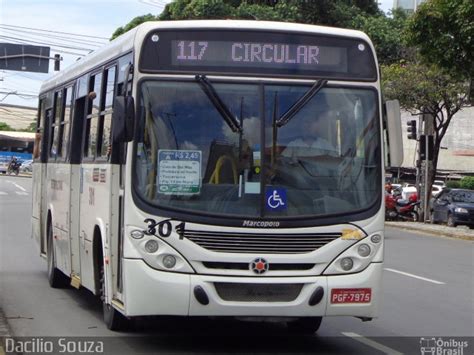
[{"x": 275, "y": 199}]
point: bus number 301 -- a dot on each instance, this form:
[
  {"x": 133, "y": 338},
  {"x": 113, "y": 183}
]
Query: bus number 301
[{"x": 191, "y": 50}]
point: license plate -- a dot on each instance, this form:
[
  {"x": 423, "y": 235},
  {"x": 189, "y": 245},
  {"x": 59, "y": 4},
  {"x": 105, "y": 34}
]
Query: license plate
[{"x": 351, "y": 295}]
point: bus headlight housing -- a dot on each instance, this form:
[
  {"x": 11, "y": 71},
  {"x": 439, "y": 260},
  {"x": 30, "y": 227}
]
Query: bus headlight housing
[
  {"x": 357, "y": 257},
  {"x": 157, "y": 253}
]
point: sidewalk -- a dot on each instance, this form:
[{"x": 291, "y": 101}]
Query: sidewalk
[
  {"x": 4, "y": 332},
  {"x": 460, "y": 232}
]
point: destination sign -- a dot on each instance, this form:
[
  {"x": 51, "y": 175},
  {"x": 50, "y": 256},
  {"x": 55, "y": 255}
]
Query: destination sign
[
  {"x": 259, "y": 53},
  {"x": 270, "y": 55}
]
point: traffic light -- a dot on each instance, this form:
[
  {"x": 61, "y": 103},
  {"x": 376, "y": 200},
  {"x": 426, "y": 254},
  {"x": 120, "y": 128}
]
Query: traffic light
[
  {"x": 423, "y": 154},
  {"x": 57, "y": 61},
  {"x": 411, "y": 129}
]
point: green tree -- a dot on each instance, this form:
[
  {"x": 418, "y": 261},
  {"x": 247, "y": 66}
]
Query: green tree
[
  {"x": 31, "y": 128},
  {"x": 132, "y": 24},
  {"x": 5, "y": 127},
  {"x": 443, "y": 31},
  {"x": 387, "y": 34},
  {"x": 338, "y": 13},
  {"x": 467, "y": 182},
  {"x": 428, "y": 89}
]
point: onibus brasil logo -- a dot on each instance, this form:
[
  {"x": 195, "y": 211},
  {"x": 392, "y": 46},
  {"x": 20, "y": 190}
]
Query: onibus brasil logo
[{"x": 440, "y": 346}]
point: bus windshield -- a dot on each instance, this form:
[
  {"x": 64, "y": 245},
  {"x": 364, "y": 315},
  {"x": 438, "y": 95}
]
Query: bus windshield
[{"x": 255, "y": 163}]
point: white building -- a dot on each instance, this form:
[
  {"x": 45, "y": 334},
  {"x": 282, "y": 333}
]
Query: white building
[
  {"x": 407, "y": 5},
  {"x": 457, "y": 153},
  {"x": 17, "y": 117}
]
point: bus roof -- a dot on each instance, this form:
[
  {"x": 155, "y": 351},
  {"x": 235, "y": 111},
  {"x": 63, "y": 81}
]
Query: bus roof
[{"x": 127, "y": 42}]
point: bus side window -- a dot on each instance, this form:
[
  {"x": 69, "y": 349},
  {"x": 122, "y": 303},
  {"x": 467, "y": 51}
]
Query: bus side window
[
  {"x": 54, "y": 141},
  {"x": 65, "y": 122},
  {"x": 105, "y": 121},
  {"x": 92, "y": 120},
  {"x": 39, "y": 127}
]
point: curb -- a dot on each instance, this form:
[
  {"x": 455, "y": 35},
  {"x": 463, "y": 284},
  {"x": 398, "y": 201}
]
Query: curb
[
  {"x": 433, "y": 230},
  {"x": 18, "y": 176}
]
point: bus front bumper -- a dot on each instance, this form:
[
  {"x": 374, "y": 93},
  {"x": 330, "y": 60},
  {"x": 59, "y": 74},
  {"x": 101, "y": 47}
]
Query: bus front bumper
[{"x": 152, "y": 292}]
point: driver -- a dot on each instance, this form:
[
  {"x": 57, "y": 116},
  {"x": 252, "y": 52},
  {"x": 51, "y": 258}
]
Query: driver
[{"x": 312, "y": 141}]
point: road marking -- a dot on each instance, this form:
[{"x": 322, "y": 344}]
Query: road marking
[
  {"x": 371, "y": 343},
  {"x": 18, "y": 186},
  {"x": 3, "y": 193},
  {"x": 22, "y": 193},
  {"x": 415, "y": 276}
]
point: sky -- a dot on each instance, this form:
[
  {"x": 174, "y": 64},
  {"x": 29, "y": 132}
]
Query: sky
[{"x": 98, "y": 18}]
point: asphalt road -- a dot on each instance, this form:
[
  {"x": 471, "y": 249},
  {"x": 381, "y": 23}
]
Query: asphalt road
[{"x": 428, "y": 292}]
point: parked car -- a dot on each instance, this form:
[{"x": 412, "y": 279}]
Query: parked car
[
  {"x": 439, "y": 183},
  {"x": 26, "y": 166},
  {"x": 453, "y": 207},
  {"x": 4, "y": 161},
  {"x": 435, "y": 190}
]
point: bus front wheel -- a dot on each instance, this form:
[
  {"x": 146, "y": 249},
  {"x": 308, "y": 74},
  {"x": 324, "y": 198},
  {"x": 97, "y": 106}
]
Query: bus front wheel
[
  {"x": 305, "y": 326},
  {"x": 55, "y": 277},
  {"x": 113, "y": 319}
]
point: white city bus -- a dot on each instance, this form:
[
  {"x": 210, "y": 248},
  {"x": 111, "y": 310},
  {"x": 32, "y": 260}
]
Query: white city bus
[{"x": 218, "y": 168}]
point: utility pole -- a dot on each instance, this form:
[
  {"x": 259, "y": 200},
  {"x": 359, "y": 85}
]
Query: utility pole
[{"x": 425, "y": 149}]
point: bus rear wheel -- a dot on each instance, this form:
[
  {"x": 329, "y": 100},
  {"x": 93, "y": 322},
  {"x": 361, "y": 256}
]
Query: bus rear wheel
[
  {"x": 55, "y": 277},
  {"x": 113, "y": 319},
  {"x": 305, "y": 326}
]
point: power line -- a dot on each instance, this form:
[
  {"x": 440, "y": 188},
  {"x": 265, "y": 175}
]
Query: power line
[
  {"x": 22, "y": 75},
  {"x": 17, "y": 93},
  {"x": 49, "y": 43},
  {"x": 49, "y": 31},
  {"x": 60, "y": 38},
  {"x": 20, "y": 41}
]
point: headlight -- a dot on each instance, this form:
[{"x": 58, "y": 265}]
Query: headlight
[
  {"x": 376, "y": 238},
  {"x": 347, "y": 264},
  {"x": 363, "y": 250},
  {"x": 460, "y": 210},
  {"x": 137, "y": 234},
  {"x": 357, "y": 257},
  {"x": 151, "y": 246},
  {"x": 169, "y": 261}
]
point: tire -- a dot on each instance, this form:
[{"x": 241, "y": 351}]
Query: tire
[
  {"x": 56, "y": 278},
  {"x": 113, "y": 319},
  {"x": 450, "y": 222},
  {"x": 305, "y": 326}
]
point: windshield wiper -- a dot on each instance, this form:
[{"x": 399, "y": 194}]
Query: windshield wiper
[
  {"x": 302, "y": 101},
  {"x": 220, "y": 106}
]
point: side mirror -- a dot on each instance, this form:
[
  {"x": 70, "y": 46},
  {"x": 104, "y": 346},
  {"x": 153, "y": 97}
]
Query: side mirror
[
  {"x": 123, "y": 119},
  {"x": 394, "y": 130}
]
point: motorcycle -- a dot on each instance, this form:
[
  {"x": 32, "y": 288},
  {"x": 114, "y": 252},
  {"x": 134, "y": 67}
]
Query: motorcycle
[
  {"x": 399, "y": 209},
  {"x": 14, "y": 168}
]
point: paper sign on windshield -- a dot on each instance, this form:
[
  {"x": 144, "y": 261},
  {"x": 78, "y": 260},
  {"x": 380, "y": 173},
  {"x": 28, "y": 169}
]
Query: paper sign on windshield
[{"x": 179, "y": 172}]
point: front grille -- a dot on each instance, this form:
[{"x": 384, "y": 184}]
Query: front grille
[
  {"x": 256, "y": 243},
  {"x": 241, "y": 292},
  {"x": 246, "y": 266}
]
